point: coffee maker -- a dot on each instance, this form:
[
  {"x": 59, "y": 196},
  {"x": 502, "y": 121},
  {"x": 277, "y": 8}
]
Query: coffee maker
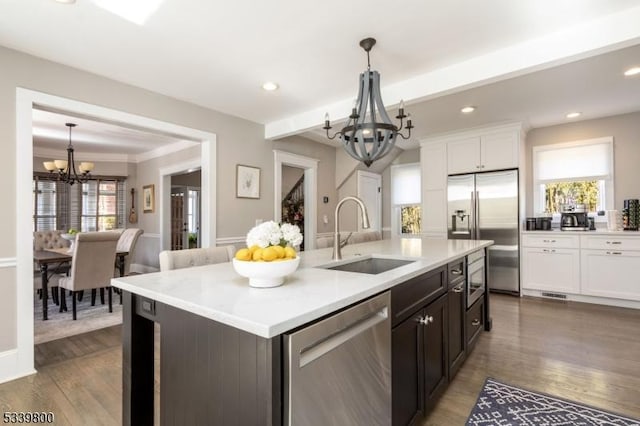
[{"x": 573, "y": 217}]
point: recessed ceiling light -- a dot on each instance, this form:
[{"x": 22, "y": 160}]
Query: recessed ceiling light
[
  {"x": 66, "y": 1},
  {"x": 468, "y": 109},
  {"x": 574, "y": 114},
  {"x": 133, "y": 11},
  {"x": 270, "y": 86},
  {"x": 632, "y": 71}
]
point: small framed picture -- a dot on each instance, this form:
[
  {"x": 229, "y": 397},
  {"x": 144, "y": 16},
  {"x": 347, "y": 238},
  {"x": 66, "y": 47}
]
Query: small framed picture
[
  {"x": 148, "y": 199},
  {"x": 247, "y": 181}
]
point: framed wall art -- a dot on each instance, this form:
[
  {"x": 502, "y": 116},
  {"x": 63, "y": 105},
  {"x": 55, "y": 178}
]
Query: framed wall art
[
  {"x": 247, "y": 181},
  {"x": 148, "y": 199}
]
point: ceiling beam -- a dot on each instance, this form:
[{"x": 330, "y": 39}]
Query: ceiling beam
[{"x": 605, "y": 34}]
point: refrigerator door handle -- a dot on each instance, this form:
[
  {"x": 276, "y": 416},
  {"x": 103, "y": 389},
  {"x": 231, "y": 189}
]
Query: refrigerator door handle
[
  {"x": 472, "y": 219},
  {"x": 477, "y": 215}
]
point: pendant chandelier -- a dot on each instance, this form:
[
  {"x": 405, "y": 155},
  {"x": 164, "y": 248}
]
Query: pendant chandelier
[
  {"x": 369, "y": 133},
  {"x": 67, "y": 169}
]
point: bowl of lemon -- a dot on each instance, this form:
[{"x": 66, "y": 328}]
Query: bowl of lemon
[{"x": 266, "y": 267}]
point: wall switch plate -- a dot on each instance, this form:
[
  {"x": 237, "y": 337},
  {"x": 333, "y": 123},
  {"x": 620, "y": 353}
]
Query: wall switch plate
[{"x": 325, "y": 219}]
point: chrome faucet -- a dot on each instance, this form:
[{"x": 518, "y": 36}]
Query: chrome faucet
[{"x": 337, "y": 246}]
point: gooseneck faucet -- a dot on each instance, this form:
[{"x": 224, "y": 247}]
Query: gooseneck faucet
[{"x": 337, "y": 254}]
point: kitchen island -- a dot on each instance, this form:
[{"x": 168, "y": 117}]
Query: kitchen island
[{"x": 221, "y": 341}]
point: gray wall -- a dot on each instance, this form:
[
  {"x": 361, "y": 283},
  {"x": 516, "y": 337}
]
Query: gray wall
[
  {"x": 625, "y": 130},
  {"x": 193, "y": 179},
  {"x": 290, "y": 176}
]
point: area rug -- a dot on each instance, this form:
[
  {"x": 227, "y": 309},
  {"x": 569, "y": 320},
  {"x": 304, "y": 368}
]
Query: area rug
[
  {"x": 502, "y": 404},
  {"x": 61, "y": 324}
]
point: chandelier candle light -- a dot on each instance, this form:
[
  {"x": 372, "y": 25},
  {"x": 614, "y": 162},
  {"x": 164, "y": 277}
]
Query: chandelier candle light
[
  {"x": 65, "y": 168},
  {"x": 367, "y": 141}
]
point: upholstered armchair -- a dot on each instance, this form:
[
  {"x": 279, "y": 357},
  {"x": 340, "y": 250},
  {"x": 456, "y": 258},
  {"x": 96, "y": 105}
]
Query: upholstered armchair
[
  {"x": 178, "y": 259},
  {"x": 127, "y": 242},
  {"x": 92, "y": 266}
]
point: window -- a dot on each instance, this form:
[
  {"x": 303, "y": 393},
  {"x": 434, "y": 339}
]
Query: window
[
  {"x": 406, "y": 198},
  {"x": 97, "y": 205},
  {"x": 574, "y": 172}
]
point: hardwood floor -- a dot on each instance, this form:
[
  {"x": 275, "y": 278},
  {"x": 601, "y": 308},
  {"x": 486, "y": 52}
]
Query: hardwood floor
[{"x": 586, "y": 353}]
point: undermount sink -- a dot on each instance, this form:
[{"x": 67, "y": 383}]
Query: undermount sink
[{"x": 369, "y": 265}]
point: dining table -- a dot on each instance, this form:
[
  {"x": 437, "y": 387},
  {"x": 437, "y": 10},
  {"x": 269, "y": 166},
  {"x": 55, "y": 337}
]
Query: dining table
[{"x": 61, "y": 257}]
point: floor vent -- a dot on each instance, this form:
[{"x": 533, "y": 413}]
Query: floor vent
[{"x": 554, "y": 295}]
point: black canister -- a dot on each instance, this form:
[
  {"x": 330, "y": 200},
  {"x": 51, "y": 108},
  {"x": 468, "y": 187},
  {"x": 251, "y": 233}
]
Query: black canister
[
  {"x": 543, "y": 223},
  {"x": 530, "y": 224}
]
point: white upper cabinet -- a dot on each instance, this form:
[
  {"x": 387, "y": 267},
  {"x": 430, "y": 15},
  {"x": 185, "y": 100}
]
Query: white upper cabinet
[
  {"x": 463, "y": 156},
  {"x": 487, "y": 151}
]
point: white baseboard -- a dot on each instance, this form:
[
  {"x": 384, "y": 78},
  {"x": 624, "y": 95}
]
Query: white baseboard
[
  {"x": 622, "y": 303},
  {"x": 8, "y": 262},
  {"x": 11, "y": 368}
]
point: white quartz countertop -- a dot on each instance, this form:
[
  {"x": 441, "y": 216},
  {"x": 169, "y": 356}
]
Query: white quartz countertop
[
  {"x": 219, "y": 293},
  {"x": 596, "y": 232}
]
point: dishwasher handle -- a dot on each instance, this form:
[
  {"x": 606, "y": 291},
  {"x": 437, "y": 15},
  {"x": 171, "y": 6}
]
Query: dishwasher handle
[{"x": 323, "y": 347}]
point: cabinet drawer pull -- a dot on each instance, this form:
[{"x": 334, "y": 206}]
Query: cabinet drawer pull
[
  {"x": 426, "y": 320},
  {"x": 456, "y": 272},
  {"x": 549, "y": 251},
  {"x": 475, "y": 322},
  {"x": 458, "y": 289},
  {"x": 614, "y": 242},
  {"x": 614, "y": 252},
  {"x": 548, "y": 241}
]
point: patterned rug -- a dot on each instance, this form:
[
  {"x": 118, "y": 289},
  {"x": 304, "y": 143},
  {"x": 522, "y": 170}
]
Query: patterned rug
[
  {"x": 502, "y": 404},
  {"x": 61, "y": 324}
]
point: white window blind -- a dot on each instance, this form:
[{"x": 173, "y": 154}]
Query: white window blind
[
  {"x": 405, "y": 184},
  {"x": 586, "y": 160}
]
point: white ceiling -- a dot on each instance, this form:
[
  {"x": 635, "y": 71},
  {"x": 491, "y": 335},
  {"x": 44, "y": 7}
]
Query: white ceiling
[{"x": 217, "y": 54}]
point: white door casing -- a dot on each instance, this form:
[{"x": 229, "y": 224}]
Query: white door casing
[{"x": 18, "y": 362}]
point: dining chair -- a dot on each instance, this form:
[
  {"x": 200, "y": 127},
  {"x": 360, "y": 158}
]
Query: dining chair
[
  {"x": 46, "y": 240},
  {"x": 178, "y": 259},
  {"x": 127, "y": 242},
  {"x": 94, "y": 255}
]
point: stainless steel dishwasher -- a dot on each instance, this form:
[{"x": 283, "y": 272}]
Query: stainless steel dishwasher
[{"x": 338, "y": 370}]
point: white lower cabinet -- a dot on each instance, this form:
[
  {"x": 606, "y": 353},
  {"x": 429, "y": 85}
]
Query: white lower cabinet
[
  {"x": 611, "y": 273},
  {"x": 593, "y": 267},
  {"x": 553, "y": 270}
]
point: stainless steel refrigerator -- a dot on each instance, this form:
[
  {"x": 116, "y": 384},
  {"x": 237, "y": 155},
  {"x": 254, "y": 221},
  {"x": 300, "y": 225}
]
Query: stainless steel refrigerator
[{"x": 484, "y": 206}]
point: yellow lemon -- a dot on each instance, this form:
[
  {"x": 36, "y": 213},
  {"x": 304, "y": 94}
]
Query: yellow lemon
[
  {"x": 270, "y": 253},
  {"x": 253, "y": 248},
  {"x": 280, "y": 251},
  {"x": 257, "y": 254},
  {"x": 243, "y": 254},
  {"x": 289, "y": 253}
]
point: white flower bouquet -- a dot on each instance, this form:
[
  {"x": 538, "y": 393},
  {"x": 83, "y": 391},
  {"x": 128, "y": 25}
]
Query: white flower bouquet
[
  {"x": 272, "y": 234},
  {"x": 270, "y": 254}
]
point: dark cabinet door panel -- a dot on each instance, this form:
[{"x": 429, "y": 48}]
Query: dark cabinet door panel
[
  {"x": 407, "y": 370},
  {"x": 435, "y": 333},
  {"x": 456, "y": 329}
]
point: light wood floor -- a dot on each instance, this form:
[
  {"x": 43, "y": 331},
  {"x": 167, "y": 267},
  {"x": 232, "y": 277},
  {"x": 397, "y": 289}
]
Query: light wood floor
[{"x": 586, "y": 353}]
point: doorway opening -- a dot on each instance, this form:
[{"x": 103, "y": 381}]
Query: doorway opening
[
  {"x": 308, "y": 191},
  {"x": 185, "y": 210},
  {"x": 293, "y": 197}
]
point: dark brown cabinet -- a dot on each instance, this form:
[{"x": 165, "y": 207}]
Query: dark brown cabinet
[
  {"x": 474, "y": 322},
  {"x": 435, "y": 336},
  {"x": 457, "y": 309},
  {"x": 419, "y": 345}
]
